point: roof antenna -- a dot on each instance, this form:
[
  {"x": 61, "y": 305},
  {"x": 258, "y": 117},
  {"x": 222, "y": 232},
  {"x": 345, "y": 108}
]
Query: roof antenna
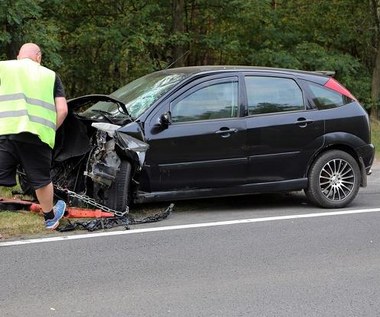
[{"x": 182, "y": 56}]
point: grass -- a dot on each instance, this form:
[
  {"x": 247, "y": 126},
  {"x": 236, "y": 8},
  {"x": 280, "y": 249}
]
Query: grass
[
  {"x": 17, "y": 224},
  {"x": 22, "y": 223},
  {"x": 375, "y": 125},
  {"x": 14, "y": 224}
]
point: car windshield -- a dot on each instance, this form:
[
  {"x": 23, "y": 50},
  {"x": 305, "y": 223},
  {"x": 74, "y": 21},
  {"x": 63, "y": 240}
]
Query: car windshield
[{"x": 138, "y": 95}]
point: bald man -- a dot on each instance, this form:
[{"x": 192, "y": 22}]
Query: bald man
[{"x": 32, "y": 107}]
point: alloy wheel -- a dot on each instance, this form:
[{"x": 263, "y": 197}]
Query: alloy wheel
[{"x": 337, "y": 179}]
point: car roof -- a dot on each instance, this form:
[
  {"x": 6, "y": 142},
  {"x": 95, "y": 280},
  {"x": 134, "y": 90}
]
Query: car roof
[{"x": 194, "y": 70}]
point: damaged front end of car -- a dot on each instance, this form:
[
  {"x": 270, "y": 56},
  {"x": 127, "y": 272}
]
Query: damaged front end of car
[
  {"x": 113, "y": 166},
  {"x": 103, "y": 163},
  {"x": 94, "y": 163}
]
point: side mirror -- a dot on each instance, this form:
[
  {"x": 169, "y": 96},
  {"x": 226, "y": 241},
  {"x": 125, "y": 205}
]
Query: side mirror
[{"x": 165, "y": 119}]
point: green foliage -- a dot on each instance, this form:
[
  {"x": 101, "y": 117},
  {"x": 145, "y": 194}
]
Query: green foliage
[
  {"x": 26, "y": 21},
  {"x": 99, "y": 45}
]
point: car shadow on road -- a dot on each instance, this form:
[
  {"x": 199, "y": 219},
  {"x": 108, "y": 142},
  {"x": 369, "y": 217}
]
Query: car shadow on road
[{"x": 254, "y": 201}]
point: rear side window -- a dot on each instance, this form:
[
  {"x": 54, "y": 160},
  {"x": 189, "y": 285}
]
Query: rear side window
[
  {"x": 272, "y": 94},
  {"x": 325, "y": 98}
]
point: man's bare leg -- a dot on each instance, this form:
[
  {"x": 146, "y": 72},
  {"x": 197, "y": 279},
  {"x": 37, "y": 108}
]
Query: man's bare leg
[{"x": 45, "y": 196}]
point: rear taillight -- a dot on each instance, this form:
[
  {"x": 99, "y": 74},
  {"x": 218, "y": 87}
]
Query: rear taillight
[{"x": 336, "y": 86}]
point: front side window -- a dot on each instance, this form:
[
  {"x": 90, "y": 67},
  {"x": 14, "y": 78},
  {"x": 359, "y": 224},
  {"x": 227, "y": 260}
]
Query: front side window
[
  {"x": 216, "y": 101},
  {"x": 271, "y": 94}
]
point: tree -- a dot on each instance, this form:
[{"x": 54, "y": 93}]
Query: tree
[
  {"x": 15, "y": 19},
  {"x": 179, "y": 16},
  {"x": 25, "y": 21},
  {"x": 100, "y": 45},
  {"x": 375, "y": 14},
  {"x": 314, "y": 35}
]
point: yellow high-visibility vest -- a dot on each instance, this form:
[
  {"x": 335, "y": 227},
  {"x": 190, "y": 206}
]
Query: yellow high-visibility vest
[{"x": 27, "y": 99}]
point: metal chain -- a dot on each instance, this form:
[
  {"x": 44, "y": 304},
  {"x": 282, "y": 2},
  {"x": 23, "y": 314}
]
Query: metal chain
[{"x": 88, "y": 200}]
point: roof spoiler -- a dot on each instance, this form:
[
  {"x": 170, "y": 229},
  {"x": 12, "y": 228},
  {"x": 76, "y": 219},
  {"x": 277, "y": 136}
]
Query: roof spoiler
[{"x": 330, "y": 73}]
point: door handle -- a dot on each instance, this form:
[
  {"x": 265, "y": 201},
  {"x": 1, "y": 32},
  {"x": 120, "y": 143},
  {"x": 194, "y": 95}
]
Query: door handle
[
  {"x": 303, "y": 122},
  {"x": 226, "y": 132}
]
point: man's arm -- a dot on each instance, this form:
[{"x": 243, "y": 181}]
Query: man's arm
[
  {"x": 61, "y": 108},
  {"x": 60, "y": 101}
]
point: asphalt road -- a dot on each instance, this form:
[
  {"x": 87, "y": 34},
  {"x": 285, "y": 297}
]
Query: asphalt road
[{"x": 264, "y": 255}]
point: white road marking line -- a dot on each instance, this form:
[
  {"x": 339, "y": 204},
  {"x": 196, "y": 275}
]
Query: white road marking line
[{"x": 188, "y": 226}]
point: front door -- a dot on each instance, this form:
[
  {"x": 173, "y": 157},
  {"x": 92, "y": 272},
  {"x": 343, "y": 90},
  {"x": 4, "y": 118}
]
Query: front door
[{"x": 205, "y": 146}]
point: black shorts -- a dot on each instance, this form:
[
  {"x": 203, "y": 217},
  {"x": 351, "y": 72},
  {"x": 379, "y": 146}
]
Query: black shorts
[{"x": 34, "y": 158}]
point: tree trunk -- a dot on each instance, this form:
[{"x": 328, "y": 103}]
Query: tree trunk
[
  {"x": 11, "y": 48},
  {"x": 178, "y": 27},
  {"x": 375, "y": 91}
]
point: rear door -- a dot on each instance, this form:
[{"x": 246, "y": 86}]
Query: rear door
[
  {"x": 282, "y": 132},
  {"x": 205, "y": 144}
]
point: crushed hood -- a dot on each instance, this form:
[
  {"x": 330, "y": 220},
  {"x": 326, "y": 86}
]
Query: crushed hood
[{"x": 78, "y": 102}]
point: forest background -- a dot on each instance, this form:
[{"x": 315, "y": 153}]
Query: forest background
[{"x": 99, "y": 45}]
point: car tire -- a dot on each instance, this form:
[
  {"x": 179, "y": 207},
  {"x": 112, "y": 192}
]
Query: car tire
[
  {"x": 334, "y": 180},
  {"x": 118, "y": 193}
]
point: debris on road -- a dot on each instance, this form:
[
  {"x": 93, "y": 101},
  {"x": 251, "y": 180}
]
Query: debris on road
[
  {"x": 116, "y": 221},
  {"x": 102, "y": 219}
]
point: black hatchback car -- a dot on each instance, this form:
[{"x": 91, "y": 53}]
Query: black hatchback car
[{"x": 210, "y": 131}]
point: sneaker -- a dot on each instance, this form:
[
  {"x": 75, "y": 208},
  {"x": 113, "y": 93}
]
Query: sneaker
[{"x": 59, "y": 211}]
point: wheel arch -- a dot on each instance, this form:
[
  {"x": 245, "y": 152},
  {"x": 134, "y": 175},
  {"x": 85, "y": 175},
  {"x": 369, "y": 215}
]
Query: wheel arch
[{"x": 344, "y": 142}]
